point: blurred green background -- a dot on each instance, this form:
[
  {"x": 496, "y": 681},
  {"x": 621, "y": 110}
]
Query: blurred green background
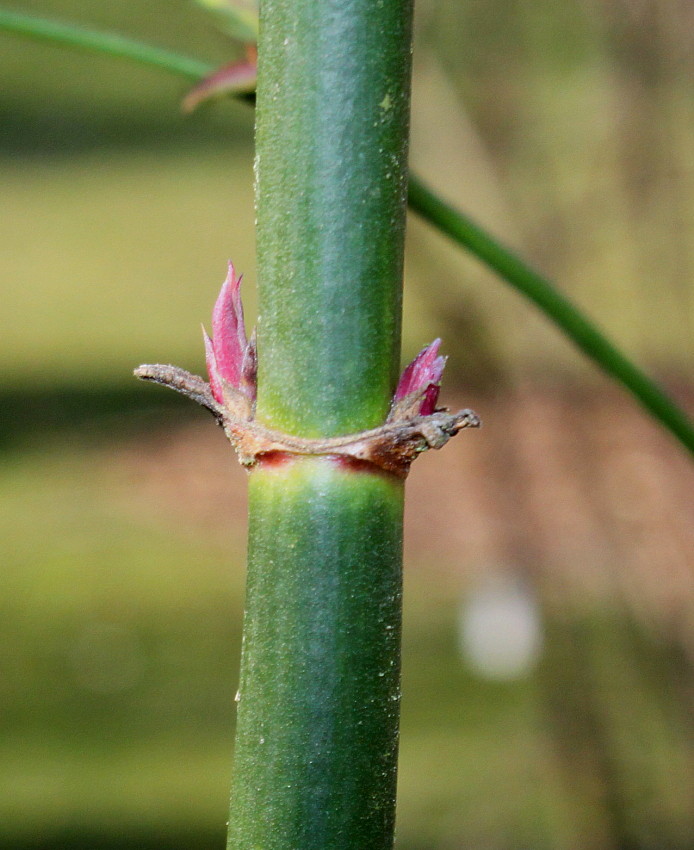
[{"x": 549, "y": 625}]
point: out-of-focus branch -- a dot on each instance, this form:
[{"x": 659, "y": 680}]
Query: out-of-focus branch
[{"x": 554, "y": 305}]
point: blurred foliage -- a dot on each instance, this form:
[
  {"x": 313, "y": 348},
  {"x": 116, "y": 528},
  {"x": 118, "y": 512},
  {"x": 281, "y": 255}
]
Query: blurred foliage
[
  {"x": 238, "y": 18},
  {"x": 125, "y": 199},
  {"x": 119, "y": 643},
  {"x": 568, "y": 130},
  {"x": 120, "y": 633}
]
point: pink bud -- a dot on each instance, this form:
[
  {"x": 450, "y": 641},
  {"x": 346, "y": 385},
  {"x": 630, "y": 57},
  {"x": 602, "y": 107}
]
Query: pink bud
[
  {"x": 229, "y": 356},
  {"x": 422, "y": 377},
  {"x": 211, "y": 361}
]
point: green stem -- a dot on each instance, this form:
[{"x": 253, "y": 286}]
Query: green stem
[
  {"x": 316, "y": 746},
  {"x": 316, "y": 750},
  {"x": 96, "y": 41},
  {"x": 554, "y": 305},
  {"x": 332, "y": 121}
]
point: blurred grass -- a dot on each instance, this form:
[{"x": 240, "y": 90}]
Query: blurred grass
[
  {"x": 115, "y": 260},
  {"x": 120, "y": 643}
]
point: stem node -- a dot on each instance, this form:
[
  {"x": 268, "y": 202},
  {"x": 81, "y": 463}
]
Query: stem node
[{"x": 391, "y": 447}]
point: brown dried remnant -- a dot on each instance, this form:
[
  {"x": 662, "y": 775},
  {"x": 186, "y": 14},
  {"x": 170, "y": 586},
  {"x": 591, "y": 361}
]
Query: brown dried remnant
[{"x": 391, "y": 447}]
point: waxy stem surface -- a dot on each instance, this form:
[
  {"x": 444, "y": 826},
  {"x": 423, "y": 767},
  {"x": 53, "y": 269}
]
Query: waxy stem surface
[
  {"x": 331, "y": 183},
  {"x": 316, "y": 749}
]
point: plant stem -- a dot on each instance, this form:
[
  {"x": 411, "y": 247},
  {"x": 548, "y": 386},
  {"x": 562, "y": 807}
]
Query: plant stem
[
  {"x": 97, "y": 41},
  {"x": 332, "y": 122},
  {"x": 553, "y": 304},
  {"x": 316, "y": 751},
  {"x": 316, "y": 746},
  {"x": 444, "y": 217}
]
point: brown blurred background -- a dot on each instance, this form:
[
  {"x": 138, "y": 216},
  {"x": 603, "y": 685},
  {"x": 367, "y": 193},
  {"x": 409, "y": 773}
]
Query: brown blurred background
[{"x": 549, "y": 625}]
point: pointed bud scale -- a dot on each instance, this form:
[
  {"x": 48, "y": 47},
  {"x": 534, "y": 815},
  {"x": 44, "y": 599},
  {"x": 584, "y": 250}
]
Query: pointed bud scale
[
  {"x": 231, "y": 359},
  {"x": 422, "y": 377},
  {"x": 431, "y": 396},
  {"x": 210, "y": 361},
  {"x": 228, "y": 331}
]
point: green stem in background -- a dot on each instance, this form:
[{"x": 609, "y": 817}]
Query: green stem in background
[
  {"x": 97, "y": 41},
  {"x": 554, "y": 305},
  {"x": 458, "y": 226},
  {"x": 316, "y": 748}
]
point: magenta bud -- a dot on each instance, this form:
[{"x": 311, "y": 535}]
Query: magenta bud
[
  {"x": 230, "y": 357},
  {"x": 422, "y": 377},
  {"x": 211, "y": 361}
]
